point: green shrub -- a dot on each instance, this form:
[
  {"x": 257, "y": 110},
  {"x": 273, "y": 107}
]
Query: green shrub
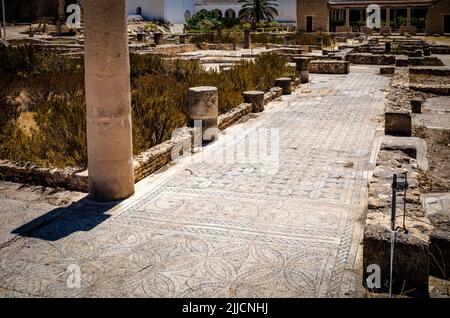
[{"x": 205, "y": 21}]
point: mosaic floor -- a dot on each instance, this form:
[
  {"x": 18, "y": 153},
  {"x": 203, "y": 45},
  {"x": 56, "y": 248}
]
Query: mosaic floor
[{"x": 285, "y": 226}]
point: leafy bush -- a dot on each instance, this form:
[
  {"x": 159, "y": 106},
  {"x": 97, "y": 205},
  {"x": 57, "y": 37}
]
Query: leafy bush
[{"x": 205, "y": 21}]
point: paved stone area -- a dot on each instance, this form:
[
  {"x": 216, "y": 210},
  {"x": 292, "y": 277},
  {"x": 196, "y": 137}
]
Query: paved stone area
[
  {"x": 435, "y": 113},
  {"x": 289, "y": 226}
]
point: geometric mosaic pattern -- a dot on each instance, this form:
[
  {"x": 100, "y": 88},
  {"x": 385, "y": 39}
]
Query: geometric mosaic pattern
[{"x": 221, "y": 229}]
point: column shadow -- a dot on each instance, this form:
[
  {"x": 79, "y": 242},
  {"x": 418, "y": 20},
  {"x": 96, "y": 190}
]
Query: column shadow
[{"x": 80, "y": 216}]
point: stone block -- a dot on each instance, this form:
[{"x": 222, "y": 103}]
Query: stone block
[
  {"x": 384, "y": 30},
  {"x": 408, "y": 30},
  {"x": 398, "y": 123},
  {"x": 141, "y": 37},
  {"x": 401, "y": 61},
  {"x": 416, "y": 106},
  {"x": 370, "y": 59},
  {"x": 157, "y": 38},
  {"x": 247, "y": 39},
  {"x": 416, "y": 53},
  {"x": 387, "y": 70},
  {"x": 343, "y": 29},
  {"x": 329, "y": 67}
]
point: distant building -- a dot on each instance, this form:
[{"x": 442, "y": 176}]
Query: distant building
[
  {"x": 430, "y": 16},
  {"x": 179, "y": 11}
]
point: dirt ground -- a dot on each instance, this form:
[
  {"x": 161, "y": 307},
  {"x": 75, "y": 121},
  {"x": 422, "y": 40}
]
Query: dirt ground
[
  {"x": 437, "y": 178},
  {"x": 428, "y": 79}
]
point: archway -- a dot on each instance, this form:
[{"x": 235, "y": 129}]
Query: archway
[
  {"x": 138, "y": 11},
  {"x": 230, "y": 13},
  {"x": 187, "y": 15}
]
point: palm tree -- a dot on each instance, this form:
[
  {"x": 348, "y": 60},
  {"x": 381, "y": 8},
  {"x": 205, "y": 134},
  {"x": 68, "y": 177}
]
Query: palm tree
[{"x": 257, "y": 10}]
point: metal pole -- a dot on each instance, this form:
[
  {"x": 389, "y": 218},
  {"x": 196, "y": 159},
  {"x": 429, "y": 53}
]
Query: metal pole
[
  {"x": 4, "y": 19},
  {"x": 393, "y": 233},
  {"x": 404, "y": 203}
]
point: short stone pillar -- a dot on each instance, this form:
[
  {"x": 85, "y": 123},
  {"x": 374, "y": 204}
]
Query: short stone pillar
[
  {"x": 387, "y": 46},
  {"x": 108, "y": 100},
  {"x": 302, "y": 66},
  {"x": 416, "y": 106},
  {"x": 247, "y": 39},
  {"x": 319, "y": 42},
  {"x": 203, "y": 105},
  {"x": 285, "y": 83},
  {"x": 157, "y": 38},
  {"x": 182, "y": 38},
  {"x": 61, "y": 12},
  {"x": 401, "y": 61},
  {"x": 141, "y": 37},
  {"x": 256, "y": 98}
]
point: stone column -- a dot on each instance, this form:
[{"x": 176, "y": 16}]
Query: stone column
[
  {"x": 61, "y": 14},
  {"x": 408, "y": 16},
  {"x": 141, "y": 37},
  {"x": 183, "y": 38},
  {"x": 347, "y": 17},
  {"x": 285, "y": 83},
  {"x": 203, "y": 105},
  {"x": 108, "y": 100},
  {"x": 157, "y": 37},
  {"x": 302, "y": 67},
  {"x": 247, "y": 39},
  {"x": 388, "y": 16},
  {"x": 416, "y": 106},
  {"x": 256, "y": 98},
  {"x": 387, "y": 46}
]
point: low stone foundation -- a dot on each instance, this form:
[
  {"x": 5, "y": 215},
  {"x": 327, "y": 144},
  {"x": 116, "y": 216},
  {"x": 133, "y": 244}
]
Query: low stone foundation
[
  {"x": 440, "y": 49},
  {"x": 412, "y": 30},
  {"x": 329, "y": 67},
  {"x": 172, "y": 49},
  {"x": 370, "y": 59},
  {"x": 385, "y": 30},
  {"x": 387, "y": 70},
  {"x": 401, "y": 61},
  {"x": 425, "y": 61},
  {"x": 343, "y": 29},
  {"x": 430, "y": 71},
  {"x": 433, "y": 89},
  {"x": 229, "y": 118},
  {"x": 71, "y": 179}
]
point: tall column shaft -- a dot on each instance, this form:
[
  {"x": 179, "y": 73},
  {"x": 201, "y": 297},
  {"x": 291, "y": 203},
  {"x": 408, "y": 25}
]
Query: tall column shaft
[
  {"x": 108, "y": 100},
  {"x": 347, "y": 17},
  {"x": 408, "y": 16},
  {"x": 388, "y": 17},
  {"x": 61, "y": 13}
]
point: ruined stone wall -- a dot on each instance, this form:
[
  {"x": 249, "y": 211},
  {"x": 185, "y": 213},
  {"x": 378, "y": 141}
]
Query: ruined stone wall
[
  {"x": 329, "y": 67},
  {"x": 435, "y": 17},
  {"x": 318, "y": 9},
  {"x": 371, "y": 59}
]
